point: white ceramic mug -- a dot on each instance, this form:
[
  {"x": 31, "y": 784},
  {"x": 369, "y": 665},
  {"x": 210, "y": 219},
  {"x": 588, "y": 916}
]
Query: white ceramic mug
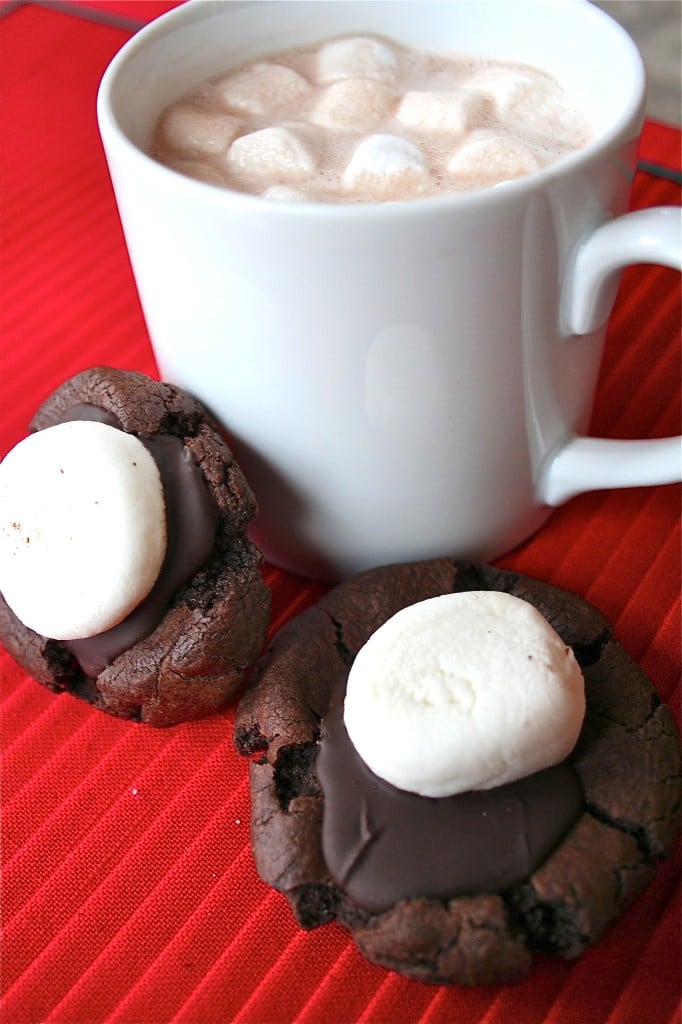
[{"x": 399, "y": 380}]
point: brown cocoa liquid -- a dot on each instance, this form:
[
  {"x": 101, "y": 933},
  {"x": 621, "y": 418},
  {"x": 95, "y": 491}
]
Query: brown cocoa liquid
[{"x": 471, "y": 122}]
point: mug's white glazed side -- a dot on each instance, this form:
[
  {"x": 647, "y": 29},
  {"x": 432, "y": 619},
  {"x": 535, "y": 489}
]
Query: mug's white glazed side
[{"x": 394, "y": 376}]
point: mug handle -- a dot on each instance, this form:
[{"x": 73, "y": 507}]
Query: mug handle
[{"x": 589, "y": 463}]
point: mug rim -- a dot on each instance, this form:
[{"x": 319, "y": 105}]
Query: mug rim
[{"x": 626, "y": 127}]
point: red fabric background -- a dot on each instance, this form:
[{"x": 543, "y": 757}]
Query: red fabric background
[{"x": 128, "y": 889}]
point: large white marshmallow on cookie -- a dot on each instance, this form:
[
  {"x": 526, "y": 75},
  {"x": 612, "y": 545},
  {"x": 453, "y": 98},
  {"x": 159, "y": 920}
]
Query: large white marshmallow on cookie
[
  {"x": 82, "y": 528},
  {"x": 462, "y": 692}
]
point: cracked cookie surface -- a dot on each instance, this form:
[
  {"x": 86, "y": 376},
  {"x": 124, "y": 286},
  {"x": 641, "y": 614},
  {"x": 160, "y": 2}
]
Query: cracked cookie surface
[
  {"x": 627, "y": 759},
  {"x": 192, "y": 662}
]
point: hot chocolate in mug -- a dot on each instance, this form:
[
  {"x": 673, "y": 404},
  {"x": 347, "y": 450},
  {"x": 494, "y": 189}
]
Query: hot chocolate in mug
[{"x": 407, "y": 379}]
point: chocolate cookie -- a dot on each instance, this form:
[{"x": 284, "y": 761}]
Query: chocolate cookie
[
  {"x": 181, "y": 654},
  {"x": 625, "y": 771}
]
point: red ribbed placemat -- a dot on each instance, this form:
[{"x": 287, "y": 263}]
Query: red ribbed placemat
[{"x": 128, "y": 889}]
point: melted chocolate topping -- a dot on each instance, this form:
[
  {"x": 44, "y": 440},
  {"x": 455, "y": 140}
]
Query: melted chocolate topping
[
  {"x": 382, "y": 844},
  {"x": 190, "y": 527}
]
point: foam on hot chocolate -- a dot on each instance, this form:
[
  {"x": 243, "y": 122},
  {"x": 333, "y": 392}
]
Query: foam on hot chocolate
[{"x": 363, "y": 119}]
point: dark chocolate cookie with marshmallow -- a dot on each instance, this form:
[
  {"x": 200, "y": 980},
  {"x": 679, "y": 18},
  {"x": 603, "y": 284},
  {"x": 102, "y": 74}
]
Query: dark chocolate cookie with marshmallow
[
  {"x": 179, "y": 647},
  {"x": 461, "y": 889}
]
